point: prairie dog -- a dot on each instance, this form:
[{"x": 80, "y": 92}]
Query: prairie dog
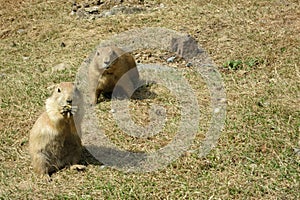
[
  {"x": 107, "y": 66},
  {"x": 54, "y": 140}
]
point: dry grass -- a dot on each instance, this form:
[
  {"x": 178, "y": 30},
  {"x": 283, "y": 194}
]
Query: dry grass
[{"x": 254, "y": 158}]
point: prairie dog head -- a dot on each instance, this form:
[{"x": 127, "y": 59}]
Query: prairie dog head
[
  {"x": 64, "y": 101},
  {"x": 105, "y": 56}
]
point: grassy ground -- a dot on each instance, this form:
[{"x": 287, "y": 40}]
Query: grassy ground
[{"x": 256, "y": 46}]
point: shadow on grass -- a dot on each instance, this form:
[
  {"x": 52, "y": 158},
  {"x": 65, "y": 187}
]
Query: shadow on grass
[
  {"x": 142, "y": 93},
  {"x": 95, "y": 155}
]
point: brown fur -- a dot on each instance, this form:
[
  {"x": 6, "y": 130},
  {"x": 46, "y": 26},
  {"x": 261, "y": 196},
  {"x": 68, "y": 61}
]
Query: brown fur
[
  {"x": 54, "y": 139},
  {"x": 107, "y": 67}
]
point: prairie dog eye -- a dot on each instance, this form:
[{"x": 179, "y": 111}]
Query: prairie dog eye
[{"x": 58, "y": 90}]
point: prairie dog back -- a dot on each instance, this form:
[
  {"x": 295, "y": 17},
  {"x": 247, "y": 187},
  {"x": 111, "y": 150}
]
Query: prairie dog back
[{"x": 108, "y": 65}]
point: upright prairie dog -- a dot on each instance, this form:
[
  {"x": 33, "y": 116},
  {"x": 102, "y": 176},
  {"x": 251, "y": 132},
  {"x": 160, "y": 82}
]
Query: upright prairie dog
[
  {"x": 107, "y": 67},
  {"x": 55, "y": 137}
]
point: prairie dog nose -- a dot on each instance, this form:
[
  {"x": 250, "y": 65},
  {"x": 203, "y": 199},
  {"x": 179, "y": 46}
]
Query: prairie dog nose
[{"x": 69, "y": 100}]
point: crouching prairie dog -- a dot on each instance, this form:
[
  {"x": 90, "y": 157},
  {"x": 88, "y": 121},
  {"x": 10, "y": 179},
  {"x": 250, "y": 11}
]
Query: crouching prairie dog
[
  {"x": 108, "y": 65},
  {"x": 54, "y": 140}
]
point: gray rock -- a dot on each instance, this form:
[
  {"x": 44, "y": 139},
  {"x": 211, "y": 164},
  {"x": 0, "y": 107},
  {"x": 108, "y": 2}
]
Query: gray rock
[{"x": 185, "y": 47}]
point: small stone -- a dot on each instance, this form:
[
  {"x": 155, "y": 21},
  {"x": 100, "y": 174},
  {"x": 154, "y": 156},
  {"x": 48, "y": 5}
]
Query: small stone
[
  {"x": 2, "y": 76},
  {"x": 92, "y": 10},
  {"x": 25, "y": 58},
  {"x": 217, "y": 110},
  {"x": 107, "y": 13},
  {"x": 297, "y": 151},
  {"x": 21, "y": 31},
  {"x": 60, "y": 67},
  {"x": 102, "y": 167},
  {"x": 112, "y": 110},
  {"x": 189, "y": 64},
  {"x": 171, "y": 59},
  {"x": 78, "y": 167}
]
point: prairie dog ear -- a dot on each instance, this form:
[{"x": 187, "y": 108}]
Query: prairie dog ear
[
  {"x": 113, "y": 56},
  {"x": 51, "y": 87}
]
